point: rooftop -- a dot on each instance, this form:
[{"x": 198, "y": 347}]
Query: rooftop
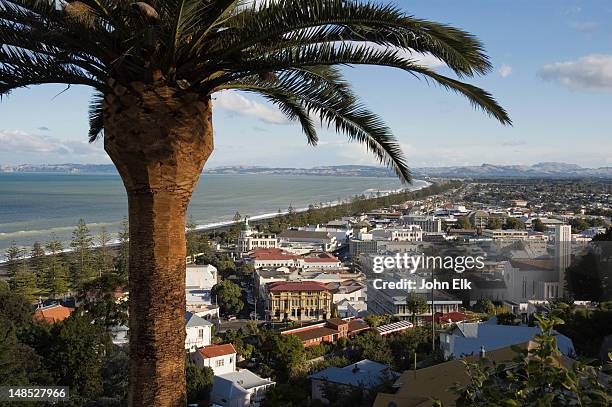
[
  {"x": 296, "y": 286},
  {"x": 213, "y": 351},
  {"x": 366, "y": 373}
]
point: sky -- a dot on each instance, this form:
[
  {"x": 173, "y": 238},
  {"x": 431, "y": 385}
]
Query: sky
[{"x": 552, "y": 72}]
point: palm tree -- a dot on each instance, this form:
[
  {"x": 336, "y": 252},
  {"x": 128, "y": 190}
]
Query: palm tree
[{"x": 155, "y": 65}]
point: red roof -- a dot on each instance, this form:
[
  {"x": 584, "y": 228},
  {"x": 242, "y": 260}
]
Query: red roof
[
  {"x": 448, "y": 317},
  {"x": 322, "y": 258},
  {"x": 272, "y": 254},
  {"x": 213, "y": 351},
  {"x": 296, "y": 286},
  {"x": 53, "y": 313}
]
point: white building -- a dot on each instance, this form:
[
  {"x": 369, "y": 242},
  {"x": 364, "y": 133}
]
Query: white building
[
  {"x": 324, "y": 240},
  {"x": 220, "y": 358},
  {"x": 507, "y": 234},
  {"x": 563, "y": 251},
  {"x": 199, "y": 331},
  {"x": 239, "y": 389},
  {"x": 271, "y": 258},
  {"x": 249, "y": 240},
  {"x": 429, "y": 224},
  {"x": 199, "y": 281},
  {"x": 411, "y": 233}
]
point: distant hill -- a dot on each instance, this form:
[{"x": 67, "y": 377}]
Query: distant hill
[{"x": 539, "y": 170}]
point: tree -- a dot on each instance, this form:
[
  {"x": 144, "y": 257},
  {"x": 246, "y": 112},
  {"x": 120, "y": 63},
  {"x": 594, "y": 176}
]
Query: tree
[
  {"x": 371, "y": 345},
  {"x": 538, "y": 225},
  {"x": 199, "y": 382},
  {"x": 514, "y": 223},
  {"x": 463, "y": 222},
  {"x": 37, "y": 262},
  {"x": 24, "y": 283},
  {"x": 16, "y": 259},
  {"x": 584, "y": 278},
  {"x": 123, "y": 258},
  {"x": 56, "y": 269},
  {"x": 416, "y": 305},
  {"x": 485, "y": 306},
  {"x": 82, "y": 267},
  {"x": 286, "y": 355},
  {"x": 228, "y": 296},
  {"x": 154, "y": 68},
  {"x": 494, "y": 223},
  {"x": 104, "y": 260},
  {"x": 508, "y": 318},
  {"x": 535, "y": 377}
]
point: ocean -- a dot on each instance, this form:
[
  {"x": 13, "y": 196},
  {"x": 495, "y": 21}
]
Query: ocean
[{"x": 33, "y": 206}]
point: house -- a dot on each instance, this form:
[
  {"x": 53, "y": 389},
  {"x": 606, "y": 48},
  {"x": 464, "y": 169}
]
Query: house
[
  {"x": 52, "y": 313},
  {"x": 199, "y": 281},
  {"x": 448, "y": 318},
  {"x": 328, "y": 331},
  {"x": 198, "y": 331},
  {"x": 239, "y": 389},
  {"x": 418, "y": 388},
  {"x": 469, "y": 338},
  {"x": 220, "y": 358},
  {"x": 366, "y": 375}
]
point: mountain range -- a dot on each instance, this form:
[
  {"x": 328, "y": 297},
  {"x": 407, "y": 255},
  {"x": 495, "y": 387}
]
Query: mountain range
[{"x": 539, "y": 170}]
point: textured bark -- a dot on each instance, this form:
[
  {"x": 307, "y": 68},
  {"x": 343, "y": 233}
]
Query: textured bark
[{"x": 159, "y": 139}]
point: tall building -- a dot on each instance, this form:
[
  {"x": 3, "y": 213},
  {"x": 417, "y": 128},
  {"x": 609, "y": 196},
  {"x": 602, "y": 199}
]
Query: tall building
[
  {"x": 563, "y": 251},
  {"x": 429, "y": 224},
  {"x": 249, "y": 240}
]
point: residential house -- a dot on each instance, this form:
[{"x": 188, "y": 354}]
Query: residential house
[
  {"x": 52, "y": 313},
  {"x": 328, "y": 331},
  {"x": 199, "y": 331},
  {"x": 469, "y": 338},
  {"x": 365, "y": 375},
  {"x": 220, "y": 358},
  {"x": 239, "y": 389}
]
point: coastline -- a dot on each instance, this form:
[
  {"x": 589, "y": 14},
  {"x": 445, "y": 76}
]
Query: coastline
[{"x": 220, "y": 225}]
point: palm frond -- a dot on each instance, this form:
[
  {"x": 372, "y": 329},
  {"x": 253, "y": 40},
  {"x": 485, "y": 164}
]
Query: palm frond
[{"x": 96, "y": 116}]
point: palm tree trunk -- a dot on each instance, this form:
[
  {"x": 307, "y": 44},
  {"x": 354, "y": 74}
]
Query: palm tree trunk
[{"x": 159, "y": 139}]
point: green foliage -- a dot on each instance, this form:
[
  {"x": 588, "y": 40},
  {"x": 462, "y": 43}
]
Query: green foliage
[
  {"x": 228, "y": 296},
  {"x": 538, "y": 226},
  {"x": 494, "y": 223},
  {"x": 416, "y": 305},
  {"x": 589, "y": 277},
  {"x": 284, "y": 353},
  {"x": 535, "y": 377},
  {"x": 199, "y": 382},
  {"x": 82, "y": 265},
  {"x": 405, "y": 344},
  {"x": 514, "y": 223},
  {"x": 587, "y": 327},
  {"x": 122, "y": 260},
  {"x": 371, "y": 345},
  {"x": 104, "y": 257},
  {"x": 56, "y": 269},
  {"x": 508, "y": 318},
  {"x": 463, "y": 222},
  {"x": 485, "y": 306},
  {"x": 296, "y": 393}
]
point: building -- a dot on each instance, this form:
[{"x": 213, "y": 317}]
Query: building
[
  {"x": 328, "y": 331},
  {"x": 393, "y": 300},
  {"x": 298, "y": 301},
  {"x": 469, "y": 338},
  {"x": 52, "y": 313},
  {"x": 267, "y": 258},
  {"x": 249, "y": 240},
  {"x": 428, "y": 224},
  {"x": 507, "y": 234},
  {"x": 220, "y": 358},
  {"x": 365, "y": 375},
  {"x": 563, "y": 252},
  {"x": 198, "y": 331},
  {"x": 362, "y": 246},
  {"x": 325, "y": 240},
  {"x": 411, "y": 233},
  {"x": 418, "y": 388},
  {"x": 199, "y": 281},
  {"x": 479, "y": 219},
  {"x": 239, "y": 389}
]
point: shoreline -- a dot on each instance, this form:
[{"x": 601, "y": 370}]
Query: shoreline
[{"x": 220, "y": 225}]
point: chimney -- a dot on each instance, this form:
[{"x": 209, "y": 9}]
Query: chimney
[{"x": 482, "y": 352}]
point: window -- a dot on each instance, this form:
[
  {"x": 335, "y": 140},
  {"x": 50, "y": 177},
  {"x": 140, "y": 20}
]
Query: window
[
  {"x": 201, "y": 334},
  {"x": 220, "y": 363}
]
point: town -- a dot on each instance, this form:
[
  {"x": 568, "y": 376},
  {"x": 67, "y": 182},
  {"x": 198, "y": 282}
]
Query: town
[{"x": 293, "y": 310}]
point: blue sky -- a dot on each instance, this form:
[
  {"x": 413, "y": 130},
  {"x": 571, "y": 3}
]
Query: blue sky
[{"x": 552, "y": 72}]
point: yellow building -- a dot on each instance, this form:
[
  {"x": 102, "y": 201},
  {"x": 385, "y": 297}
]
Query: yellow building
[{"x": 298, "y": 301}]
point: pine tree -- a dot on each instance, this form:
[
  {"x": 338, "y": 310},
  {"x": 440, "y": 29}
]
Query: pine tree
[
  {"x": 82, "y": 269},
  {"x": 14, "y": 257},
  {"x": 37, "y": 262},
  {"x": 56, "y": 268},
  {"x": 24, "y": 283},
  {"x": 104, "y": 261},
  {"x": 122, "y": 259}
]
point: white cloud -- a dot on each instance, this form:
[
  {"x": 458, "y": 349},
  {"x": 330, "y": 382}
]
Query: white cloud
[
  {"x": 591, "y": 72},
  {"x": 42, "y": 148},
  {"x": 505, "y": 70},
  {"x": 237, "y": 103},
  {"x": 22, "y": 142}
]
